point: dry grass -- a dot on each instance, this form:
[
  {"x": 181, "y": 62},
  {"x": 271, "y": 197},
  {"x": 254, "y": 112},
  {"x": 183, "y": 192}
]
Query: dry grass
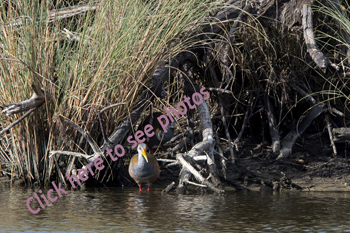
[{"x": 120, "y": 45}]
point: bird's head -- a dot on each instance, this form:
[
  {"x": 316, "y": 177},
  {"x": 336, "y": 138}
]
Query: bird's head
[{"x": 141, "y": 149}]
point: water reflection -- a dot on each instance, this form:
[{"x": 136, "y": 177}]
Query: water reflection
[{"x": 128, "y": 210}]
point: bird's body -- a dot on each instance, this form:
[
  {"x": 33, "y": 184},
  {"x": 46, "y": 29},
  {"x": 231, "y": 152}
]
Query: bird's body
[
  {"x": 160, "y": 137},
  {"x": 144, "y": 167}
]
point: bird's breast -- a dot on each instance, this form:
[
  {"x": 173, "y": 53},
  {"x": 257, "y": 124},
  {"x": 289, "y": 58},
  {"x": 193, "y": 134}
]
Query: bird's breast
[{"x": 143, "y": 171}]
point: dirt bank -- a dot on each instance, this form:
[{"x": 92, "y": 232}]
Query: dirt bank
[{"x": 312, "y": 167}]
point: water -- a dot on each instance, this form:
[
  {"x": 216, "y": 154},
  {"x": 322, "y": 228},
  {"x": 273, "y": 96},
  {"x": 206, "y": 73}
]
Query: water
[{"x": 126, "y": 210}]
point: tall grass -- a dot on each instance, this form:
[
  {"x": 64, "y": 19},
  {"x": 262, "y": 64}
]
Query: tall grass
[
  {"x": 120, "y": 45},
  {"x": 334, "y": 38}
]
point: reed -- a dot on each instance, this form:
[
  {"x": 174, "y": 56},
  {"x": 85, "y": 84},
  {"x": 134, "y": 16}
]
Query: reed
[{"x": 112, "y": 56}]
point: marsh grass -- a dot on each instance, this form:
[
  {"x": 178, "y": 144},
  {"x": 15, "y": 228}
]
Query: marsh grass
[{"x": 120, "y": 45}]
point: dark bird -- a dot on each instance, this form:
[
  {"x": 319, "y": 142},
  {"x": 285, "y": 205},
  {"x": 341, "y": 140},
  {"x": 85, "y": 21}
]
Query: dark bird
[
  {"x": 159, "y": 137},
  {"x": 144, "y": 167}
]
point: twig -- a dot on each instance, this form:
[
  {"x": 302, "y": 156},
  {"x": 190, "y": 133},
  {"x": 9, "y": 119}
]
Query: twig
[
  {"x": 219, "y": 90},
  {"x": 167, "y": 160},
  {"x": 75, "y": 154},
  {"x": 86, "y": 135},
  {"x": 336, "y": 111},
  {"x": 17, "y": 121},
  {"x": 193, "y": 183},
  {"x": 172, "y": 164},
  {"x": 306, "y": 95},
  {"x": 329, "y": 127}
]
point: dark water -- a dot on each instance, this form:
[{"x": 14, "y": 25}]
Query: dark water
[{"x": 126, "y": 210}]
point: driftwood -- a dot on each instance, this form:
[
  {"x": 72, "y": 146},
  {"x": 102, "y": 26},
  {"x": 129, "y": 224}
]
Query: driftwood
[{"x": 195, "y": 173}]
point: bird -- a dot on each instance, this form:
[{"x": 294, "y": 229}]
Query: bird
[
  {"x": 144, "y": 167},
  {"x": 159, "y": 137}
]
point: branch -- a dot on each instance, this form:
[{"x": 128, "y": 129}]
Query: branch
[
  {"x": 329, "y": 128},
  {"x": 17, "y": 121},
  {"x": 317, "y": 56},
  {"x": 35, "y": 101},
  {"x": 87, "y": 136},
  {"x": 289, "y": 140},
  {"x": 75, "y": 154},
  {"x": 169, "y": 188},
  {"x": 196, "y": 174}
]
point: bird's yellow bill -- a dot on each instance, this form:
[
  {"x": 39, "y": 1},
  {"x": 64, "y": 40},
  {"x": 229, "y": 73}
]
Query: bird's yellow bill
[{"x": 144, "y": 154}]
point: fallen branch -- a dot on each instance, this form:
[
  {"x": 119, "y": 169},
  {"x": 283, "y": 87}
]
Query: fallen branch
[{"x": 196, "y": 174}]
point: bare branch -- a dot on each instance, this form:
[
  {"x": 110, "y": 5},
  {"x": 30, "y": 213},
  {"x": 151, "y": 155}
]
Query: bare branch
[
  {"x": 317, "y": 56},
  {"x": 196, "y": 174},
  {"x": 17, "y": 121}
]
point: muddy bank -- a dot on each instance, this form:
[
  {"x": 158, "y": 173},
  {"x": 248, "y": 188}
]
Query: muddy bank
[
  {"x": 308, "y": 173},
  {"x": 312, "y": 167}
]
